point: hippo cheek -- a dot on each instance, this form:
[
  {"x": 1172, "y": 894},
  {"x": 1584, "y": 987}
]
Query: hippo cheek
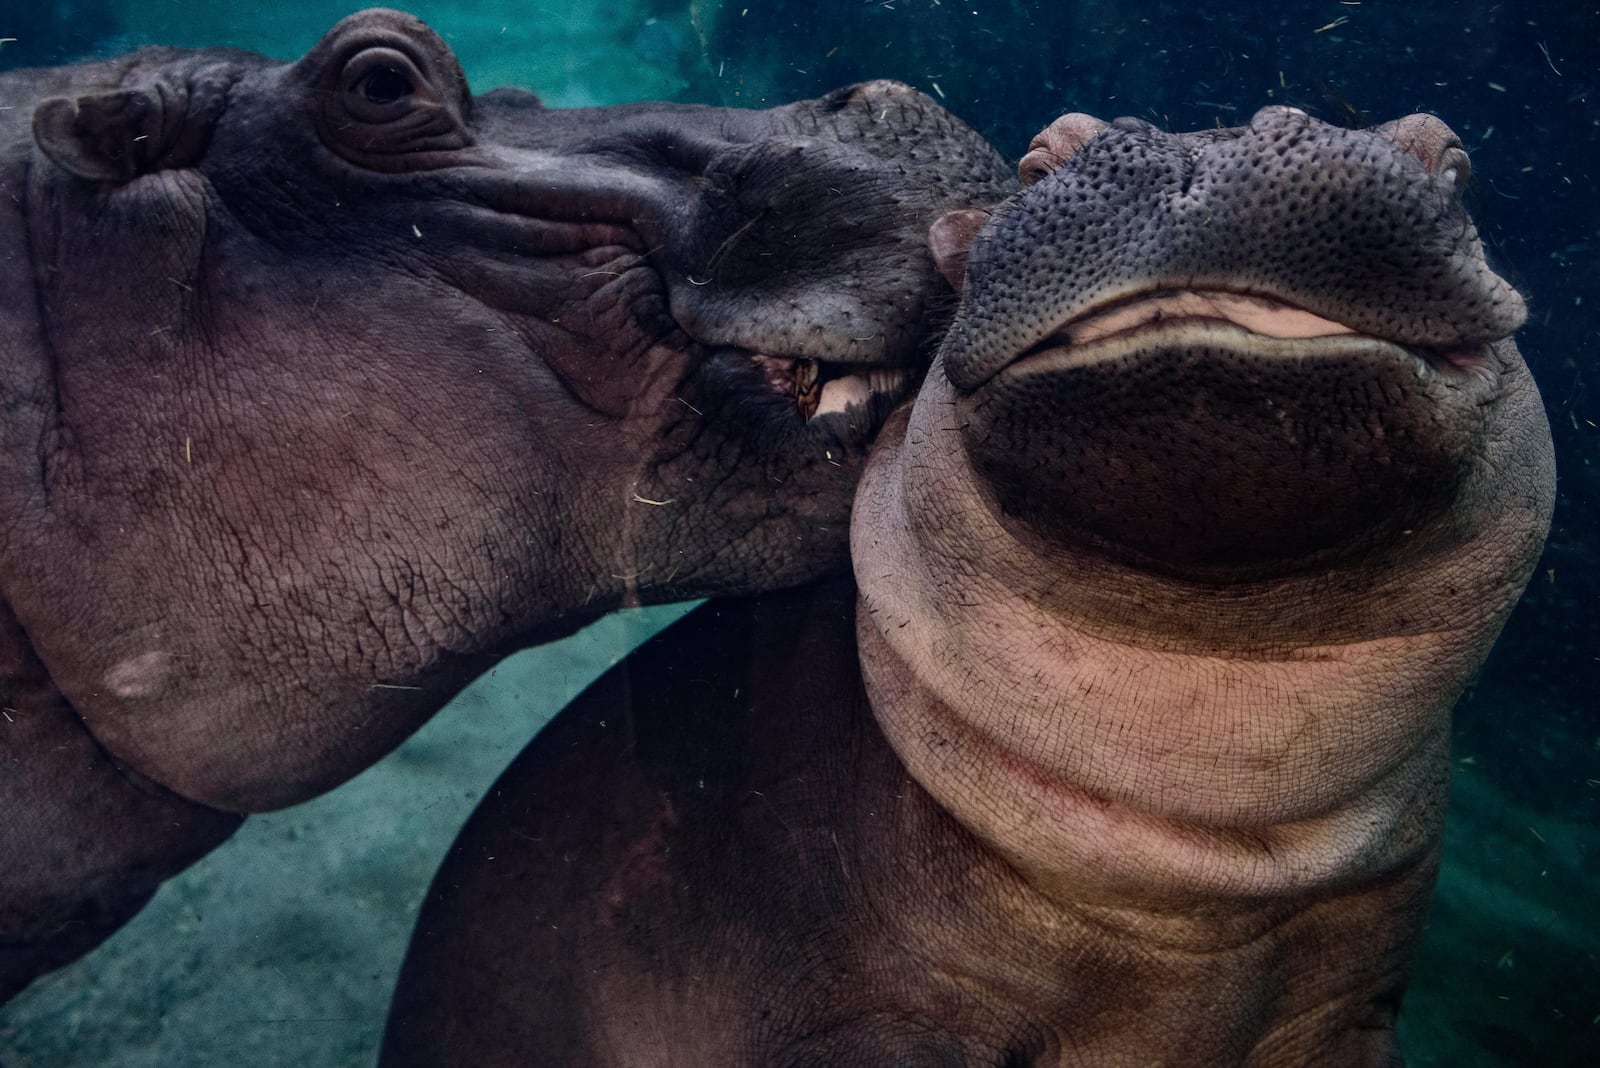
[{"x": 1205, "y": 448}]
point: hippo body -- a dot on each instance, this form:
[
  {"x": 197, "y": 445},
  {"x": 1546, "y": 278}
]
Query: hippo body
[
  {"x": 327, "y": 383},
  {"x": 1219, "y": 490},
  {"x": 761, "y": 882}
]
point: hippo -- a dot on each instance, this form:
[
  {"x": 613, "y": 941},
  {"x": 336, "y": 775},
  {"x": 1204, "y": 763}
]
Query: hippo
[
  {"x": 327, "y": 383},
  {"x": 1128, "y": 745}
]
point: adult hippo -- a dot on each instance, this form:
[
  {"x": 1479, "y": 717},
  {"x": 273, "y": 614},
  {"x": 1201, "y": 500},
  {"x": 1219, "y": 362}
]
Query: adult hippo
[
  {"x": 1133, "y": 749},
  {"x": 325, "y": 383}
]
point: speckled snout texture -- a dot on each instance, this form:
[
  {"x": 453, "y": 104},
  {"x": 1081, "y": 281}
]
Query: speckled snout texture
[{"x": 1345, "y": 223}]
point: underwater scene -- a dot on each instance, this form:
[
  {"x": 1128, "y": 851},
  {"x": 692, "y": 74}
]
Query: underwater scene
[{"x": 281, "y": 942}]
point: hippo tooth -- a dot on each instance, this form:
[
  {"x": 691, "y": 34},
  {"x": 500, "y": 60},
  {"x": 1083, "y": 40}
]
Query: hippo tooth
[
  {"x": 840, "y": 393},
  {"x": 807, "y": 386},
  {"x": 884, "y": 384},
  {"x": 891, "y": 381}
]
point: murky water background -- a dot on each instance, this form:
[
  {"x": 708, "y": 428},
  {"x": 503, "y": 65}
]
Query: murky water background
[{"x": 281, "y": 947}]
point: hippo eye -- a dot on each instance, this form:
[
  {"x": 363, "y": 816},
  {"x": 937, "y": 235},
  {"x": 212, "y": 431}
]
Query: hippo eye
[
  {"x": 385, "y": 85},
  {"x": 393, "y": 105},
  {"x": 382, "y": 84}
]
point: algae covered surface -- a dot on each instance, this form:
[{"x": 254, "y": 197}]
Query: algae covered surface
[{"x": 282, "y": 946}]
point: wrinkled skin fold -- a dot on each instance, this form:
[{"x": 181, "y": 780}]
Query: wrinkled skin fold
[
  {"x": 326, "y": 383},
  {"x": 1134, "y": 747}
]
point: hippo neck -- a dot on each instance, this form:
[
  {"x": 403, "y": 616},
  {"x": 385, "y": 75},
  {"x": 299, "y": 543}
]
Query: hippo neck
[
  {"x": 1232, "y": 787},
  {"x": 1313, "y": 979},
  {"x": 1234, "y": 762}
]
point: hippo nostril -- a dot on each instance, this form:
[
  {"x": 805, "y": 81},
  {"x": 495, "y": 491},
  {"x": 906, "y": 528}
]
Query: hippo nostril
[
  {"x": 1430, "y": 139},
  {"x": 1056, "y": 143},
  {"x": 1036, "y": 166},
  {"x": 1455, "y": 168}
]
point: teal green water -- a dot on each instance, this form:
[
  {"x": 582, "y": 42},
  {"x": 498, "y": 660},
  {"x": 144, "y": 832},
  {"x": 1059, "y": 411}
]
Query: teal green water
[
  {"x": 281, "y": 947},
  {"x": 573, "y": 54}
]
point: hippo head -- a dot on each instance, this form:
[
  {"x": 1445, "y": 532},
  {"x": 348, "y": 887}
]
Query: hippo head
[
  {"x": 1236, "y": 351},
  {"x": 1222, "y": 484},
  {"x": 646, "y": 293},
  {"x": 334, "y": 380}
]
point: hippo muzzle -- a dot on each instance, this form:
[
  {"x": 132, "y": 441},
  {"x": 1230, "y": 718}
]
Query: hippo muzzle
[{"x": 1254, "y": 348}]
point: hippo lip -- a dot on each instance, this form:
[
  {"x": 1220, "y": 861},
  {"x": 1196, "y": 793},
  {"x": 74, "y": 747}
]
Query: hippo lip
[{"x": 1106, "y": 329}]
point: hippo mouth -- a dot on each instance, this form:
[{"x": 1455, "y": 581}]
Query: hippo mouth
[
  {"x": 821, "y": 388},
  {"x": 1208, "y": 432},
  {"x": 1251, "y": 323}
]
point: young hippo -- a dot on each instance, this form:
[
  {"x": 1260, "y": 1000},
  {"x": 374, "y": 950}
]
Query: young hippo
[
  {"x": 323, "y": 384},
  {"x": 1130, "y": 745}
]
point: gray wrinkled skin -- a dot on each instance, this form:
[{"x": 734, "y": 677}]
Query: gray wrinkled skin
[
  {"x": 1135, "y": 747},
  {"x": 326, "y": 383}
]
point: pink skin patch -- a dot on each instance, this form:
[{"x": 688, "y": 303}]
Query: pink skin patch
[
  {"x": 144, "y": 675},
  {"x": 1256, "y": 314},
  {"x": 1462, "y": 358},
  {"x": 1259, "y": 315}
]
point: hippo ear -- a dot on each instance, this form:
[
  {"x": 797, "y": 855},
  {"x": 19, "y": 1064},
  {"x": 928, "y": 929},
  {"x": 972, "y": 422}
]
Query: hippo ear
[
  {"x": 119, "y": 134},
  {"x": 950, "y": 238}
]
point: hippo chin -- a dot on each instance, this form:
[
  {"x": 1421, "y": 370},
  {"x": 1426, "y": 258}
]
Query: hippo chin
[
  {"x": 326, "y": 383},
  {"x": 1134, "y": 748}
]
